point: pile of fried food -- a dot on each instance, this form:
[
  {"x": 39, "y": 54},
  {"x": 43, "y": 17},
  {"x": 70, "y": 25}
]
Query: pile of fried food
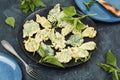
[{"x": 64, "y": 50}]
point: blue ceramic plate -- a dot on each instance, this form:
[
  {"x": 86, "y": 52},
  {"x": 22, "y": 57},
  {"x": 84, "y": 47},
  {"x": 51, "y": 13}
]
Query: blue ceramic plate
[
  {"x": 9, "y": 69},
  {"x": 102, "y": 13}
]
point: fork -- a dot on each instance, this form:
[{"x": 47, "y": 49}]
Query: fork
[{"x": 28, "y": 68}]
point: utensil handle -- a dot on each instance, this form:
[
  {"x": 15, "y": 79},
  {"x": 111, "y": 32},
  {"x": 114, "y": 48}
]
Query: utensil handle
[
  {"x": 9, "y": 47},
  {"x": 109, "y": 7}
]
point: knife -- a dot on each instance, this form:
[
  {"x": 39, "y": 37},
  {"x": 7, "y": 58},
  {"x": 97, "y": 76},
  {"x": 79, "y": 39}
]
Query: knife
[{"x": 109, "y": 7}]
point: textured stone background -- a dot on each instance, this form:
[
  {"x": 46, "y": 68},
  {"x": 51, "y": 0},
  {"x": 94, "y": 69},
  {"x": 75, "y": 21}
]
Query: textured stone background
[{"x": 108, "y": 35}]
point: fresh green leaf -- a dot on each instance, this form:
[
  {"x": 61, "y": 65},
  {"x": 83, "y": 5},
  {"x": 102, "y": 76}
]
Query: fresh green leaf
[
  {"x": 89, "y": 4},
  {"x": 118, "y": 69},
  {"x": 119, "y": 76},
  {"x": 75, "y": 21},
  {"x": 32, "y": 7},
  {"x": 24, "y": 5},
  {"x": 42, "y": 52},
  {"x": 10, "y": 21},
  {"x": 26, "y": 10},
  {"x": 69, "y": 11},
  {"x": 111, "y": 65},
  {"x": 48, "y": 58},
  {"x": 67, "y": 18},
  {"x": 52, "y": 60},
  {"x": 79, "y": 25},
  {"x": 73, "y": 17},
  {"x": 111, "y": 59},
  {"x": 115, "y": 75},
  {"x": 84, "y": 16},
  {"x": 38, "y": 3},
  {"x": 106, "y": 67}
]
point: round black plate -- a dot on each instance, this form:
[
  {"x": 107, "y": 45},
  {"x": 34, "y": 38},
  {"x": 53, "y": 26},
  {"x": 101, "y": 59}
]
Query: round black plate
[{"x": 44, "y": 12}]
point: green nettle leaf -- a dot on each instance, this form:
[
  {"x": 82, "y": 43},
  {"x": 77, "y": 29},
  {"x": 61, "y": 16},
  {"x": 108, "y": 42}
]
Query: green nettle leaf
[
  {"x": 38, "y": 3},
  {"x": 111, "y": 59},
  {"x": 52, "y": 60},
  {"x": 111, "y": 65},
  {"x": 42, "y": 52},
  {"x": 32, "y": 7},
  {"x": 75, "y": 21},
  {"x": 23, "y": 5},
  {"x": 67, "y": 18},
  {"x": 119, "y": 76},
  {"x": 115, "y": 75},
  {"x": 10, "y": 21},
  {"x": 106, "y": 67},
  {"x": 69, "y": 11},
  {"x": 73, "y": 17},
  {"x": 89, "y": 4},
  {"x": 26, "y": 10},
  {"x": 84, "y": 16},
  {"x": 79, "y": 25}
]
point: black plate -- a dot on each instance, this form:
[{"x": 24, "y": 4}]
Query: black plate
[{"x": 44, "y": 12}]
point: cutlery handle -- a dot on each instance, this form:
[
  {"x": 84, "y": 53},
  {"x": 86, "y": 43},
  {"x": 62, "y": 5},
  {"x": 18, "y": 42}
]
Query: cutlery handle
[
  {"x": 9, "y": 47},
  {"x": 109, "y": 7}
]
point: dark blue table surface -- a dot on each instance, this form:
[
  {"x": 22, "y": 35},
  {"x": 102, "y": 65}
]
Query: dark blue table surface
[{"x": 109, "y": 38}]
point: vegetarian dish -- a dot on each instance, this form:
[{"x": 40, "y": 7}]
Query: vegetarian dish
[{"x": 60, "y": 37}]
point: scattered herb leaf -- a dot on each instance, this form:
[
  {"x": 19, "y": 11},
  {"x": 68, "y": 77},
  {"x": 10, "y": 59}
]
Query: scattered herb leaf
[
  {"x": 38, "y": 3},
  {"x": 106, "y": 67},
  {"x": 115, "y": 75},
  {"x": 119, "y": 76},
  {"x": 52, "y": 60},
  {"x": 89, "y": 4},
  {"x": 111, "y": 59},
  {"x": 10, "y": 21},
  {"x": 111, "y": 65},
  {"x": 30, "y": 5}
]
